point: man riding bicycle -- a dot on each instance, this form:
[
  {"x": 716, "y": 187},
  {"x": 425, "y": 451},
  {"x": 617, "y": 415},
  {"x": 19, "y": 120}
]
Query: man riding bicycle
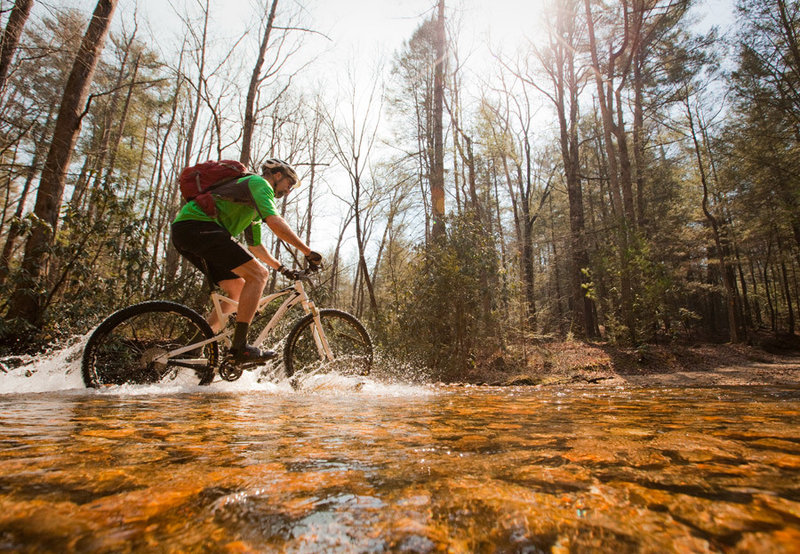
[{"x": 208, "y": 243}]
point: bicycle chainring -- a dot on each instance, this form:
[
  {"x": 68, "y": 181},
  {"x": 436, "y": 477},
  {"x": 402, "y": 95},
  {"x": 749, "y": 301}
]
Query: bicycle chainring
[{"x": 230, "y": 371}]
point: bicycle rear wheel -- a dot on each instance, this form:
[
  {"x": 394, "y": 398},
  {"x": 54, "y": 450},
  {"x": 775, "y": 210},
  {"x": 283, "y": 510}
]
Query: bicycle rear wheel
[
  {"x": 128, "y": 347},
  {"x": 347, "y": 338}
]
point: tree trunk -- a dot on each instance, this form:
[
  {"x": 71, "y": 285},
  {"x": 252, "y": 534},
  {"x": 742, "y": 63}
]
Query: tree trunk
[
  {"x": 527, "y": 246},
  {"x": 730, "y": 292},
  {"x": 252, "y": 89},
  {"x": 618, "y": 163},
  {"x": 606, "y": 111},
  {"x": 625, "y": 176},
  {"x": 189, "y": 142},
  {"x": 82, "y": 187},
  {"x": 158, "y": 165},
  {"x": 25, "y": 301},
  {"x": 555, "y": 280},
  {"x": 786, "y": 288},
  {"x": 788, "y": 295},
  {"x": 16, "y": 21},
  {"x": 335, "y": 262},
  {"x": 746, "y": 305},
  {"x": 9, "y": 186},
  {"x": 437, "y": 169},
  {"x": 767, "y": 286},
  {"x": 362, "y": 260},
  {"x": 123, "y": 120},
  {"x": 638, "y": 137},
  {"x": 315, "y": 144},
  {"x": 565, "y": 81},
  {"x": 15, "y": 229}
]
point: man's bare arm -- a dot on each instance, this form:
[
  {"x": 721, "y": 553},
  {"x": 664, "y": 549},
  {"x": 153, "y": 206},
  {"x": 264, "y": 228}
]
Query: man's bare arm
[
  {"x": 279, "y": 226},
  {"x": 260, "y": 252}
]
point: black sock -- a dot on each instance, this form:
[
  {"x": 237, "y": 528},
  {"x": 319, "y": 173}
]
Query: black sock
[{"x": 239, "y": 336}]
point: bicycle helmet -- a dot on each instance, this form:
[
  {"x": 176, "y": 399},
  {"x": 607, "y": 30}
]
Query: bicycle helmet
[{"x": 274, "y": 164}]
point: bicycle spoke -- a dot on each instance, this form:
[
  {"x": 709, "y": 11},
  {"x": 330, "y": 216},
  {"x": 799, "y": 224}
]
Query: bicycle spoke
[
  {"x": 348, "y": 341},
  {"x": 133, "y": 346}
]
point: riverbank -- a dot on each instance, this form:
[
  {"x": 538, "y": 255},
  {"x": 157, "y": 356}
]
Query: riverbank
[
  {"x": 551, "y": 363},
  {"x": 698, "y": 365}
]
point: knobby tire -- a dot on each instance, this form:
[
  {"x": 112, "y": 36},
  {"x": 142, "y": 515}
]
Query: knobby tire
[
  {"x": 348, "y": 340},
  {"x": 123, "y": 348}
]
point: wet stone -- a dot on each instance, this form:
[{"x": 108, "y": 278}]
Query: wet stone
[{"x": 403, "y": 469}]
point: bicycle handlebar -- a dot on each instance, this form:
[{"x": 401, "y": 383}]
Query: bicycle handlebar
[
  {"x": 298, "y": 274},
  {"x": 304, "y": 274}
]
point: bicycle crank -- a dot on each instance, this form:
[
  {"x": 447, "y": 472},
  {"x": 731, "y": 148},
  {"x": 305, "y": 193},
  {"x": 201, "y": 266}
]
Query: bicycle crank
[{"x": 230, "y": 371}]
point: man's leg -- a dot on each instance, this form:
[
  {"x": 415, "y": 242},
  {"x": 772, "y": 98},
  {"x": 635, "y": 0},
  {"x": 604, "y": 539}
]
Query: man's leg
[
  {"x": 232, "y": 289},
  {"x": 212, "y": 249},
  {"x": 255, "y": 278}
]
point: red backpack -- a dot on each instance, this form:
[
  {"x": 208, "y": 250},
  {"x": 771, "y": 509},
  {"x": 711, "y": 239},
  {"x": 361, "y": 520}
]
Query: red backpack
[{"x": 199, "y": 180}]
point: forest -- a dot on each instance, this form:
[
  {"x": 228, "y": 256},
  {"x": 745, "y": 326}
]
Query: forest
[{"x": 620, "y": 177}]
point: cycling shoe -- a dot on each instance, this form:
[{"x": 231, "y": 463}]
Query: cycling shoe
[{"x": 250, "y": 354}]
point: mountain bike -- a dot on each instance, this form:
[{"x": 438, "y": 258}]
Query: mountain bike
[{"x": 161, "y": 341}]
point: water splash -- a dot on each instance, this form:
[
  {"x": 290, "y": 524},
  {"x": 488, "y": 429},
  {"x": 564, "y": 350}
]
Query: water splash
[
  {"x": 53, "y": 371},
  {"x": 60, "y": 371}
]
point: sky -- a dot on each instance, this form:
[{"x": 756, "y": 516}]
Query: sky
[
  {"x": 364, "y": 33},
  {"x": 362, "y": 27},
  {"x": 370, "y": 26}
]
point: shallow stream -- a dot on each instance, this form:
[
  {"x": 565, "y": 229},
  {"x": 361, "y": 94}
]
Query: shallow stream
[{"x": 401, "y": 468}]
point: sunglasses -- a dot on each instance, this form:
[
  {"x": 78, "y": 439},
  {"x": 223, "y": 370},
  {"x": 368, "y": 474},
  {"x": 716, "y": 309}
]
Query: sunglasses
[{"x": 292, "y": 182}]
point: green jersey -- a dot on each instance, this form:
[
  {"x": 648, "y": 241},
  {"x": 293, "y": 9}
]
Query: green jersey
[{"x": 241, "y": 206}]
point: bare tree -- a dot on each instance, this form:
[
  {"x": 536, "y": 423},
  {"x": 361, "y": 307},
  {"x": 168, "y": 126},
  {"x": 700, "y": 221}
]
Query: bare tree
[
  {"x": 525, "y": 178},
  {"x": 721, "y": 242},
  {"x": 25, "y": 301},
  {"x": 16, "y": 21},
  {"x": 566, "y": 83},
  {"x": 198, "y": 86},
  {"x": 437, "y": 173},
  {"x": 255, "y": 80},
  {"x": 353, "y": 141},
  {"x": 610, "y": 79},
  {"x": 17, "y": 226},
  {"x": 105, "y": 126}
]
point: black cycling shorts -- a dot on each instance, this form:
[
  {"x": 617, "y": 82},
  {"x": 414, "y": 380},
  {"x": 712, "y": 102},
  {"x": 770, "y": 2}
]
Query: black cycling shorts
[{"x": 210, "y": 248}]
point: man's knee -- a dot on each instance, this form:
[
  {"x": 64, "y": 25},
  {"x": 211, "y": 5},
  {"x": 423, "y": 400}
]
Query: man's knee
[
  {"x": 261, "y": 276},
  {"x": 253, "y": 272},
  {"x": 232, "y": 287}
]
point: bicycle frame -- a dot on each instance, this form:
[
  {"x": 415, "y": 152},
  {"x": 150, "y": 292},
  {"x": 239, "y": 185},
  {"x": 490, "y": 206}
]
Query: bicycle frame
[{"x": 295, "y": 294}]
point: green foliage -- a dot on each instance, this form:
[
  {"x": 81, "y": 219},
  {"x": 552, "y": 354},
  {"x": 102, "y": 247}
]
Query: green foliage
[
  {"x": 95, "y": 258},
  {"x": 442, "y": 314},
  {"x": 446, "y": 303}
]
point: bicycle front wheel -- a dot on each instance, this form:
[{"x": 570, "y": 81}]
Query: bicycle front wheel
[
  {"x": 133, "y": 346},
  {"x": 349, "y": 346}
]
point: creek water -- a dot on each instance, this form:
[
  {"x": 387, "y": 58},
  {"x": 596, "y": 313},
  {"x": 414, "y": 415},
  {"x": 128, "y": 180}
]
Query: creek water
[{"x": 400, "y": 468}]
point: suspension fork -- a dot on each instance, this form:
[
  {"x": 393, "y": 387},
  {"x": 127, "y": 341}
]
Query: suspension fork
[{"x": 320, "y": 339}]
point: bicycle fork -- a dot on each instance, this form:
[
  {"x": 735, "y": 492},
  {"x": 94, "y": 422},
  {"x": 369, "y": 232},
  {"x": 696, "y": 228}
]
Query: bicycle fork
[{"x": 321, "y": 341}]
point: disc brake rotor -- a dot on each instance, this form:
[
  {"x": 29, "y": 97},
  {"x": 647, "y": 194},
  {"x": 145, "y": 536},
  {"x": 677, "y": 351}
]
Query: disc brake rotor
[{"x": 148, "y": 360}]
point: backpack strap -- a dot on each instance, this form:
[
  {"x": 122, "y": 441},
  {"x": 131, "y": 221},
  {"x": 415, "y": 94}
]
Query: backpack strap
[{"x": 224, "y": 181}]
